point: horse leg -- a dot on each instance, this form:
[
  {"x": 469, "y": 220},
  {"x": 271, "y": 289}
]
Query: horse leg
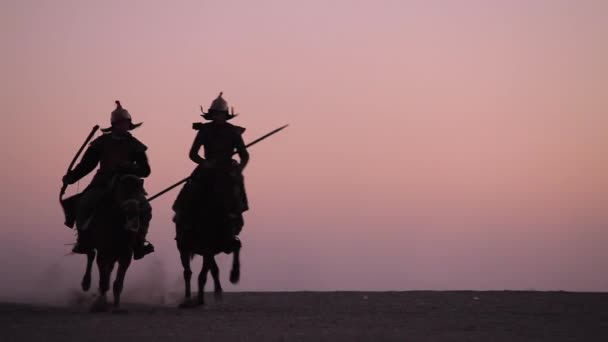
[
  {"x": 235, "y": 273},
  {"x": 217, "y": 286},
  {"x": 123, "y": 265},
  {"x": 86, "y": 280},
  {"x": 185, "y": 258},
  {"x": 105, "y": 266},
  {"x": 202, "y": 279}
]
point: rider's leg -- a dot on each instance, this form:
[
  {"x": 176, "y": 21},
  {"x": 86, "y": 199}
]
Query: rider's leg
[
  {"x": 86, "y": 209},
  {"x": 142, "y": 247}
]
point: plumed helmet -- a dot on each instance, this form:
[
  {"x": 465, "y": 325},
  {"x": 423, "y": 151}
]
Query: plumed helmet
[
  {"x": 120, "y": 114},
  {"x": 219, "y": 105}
]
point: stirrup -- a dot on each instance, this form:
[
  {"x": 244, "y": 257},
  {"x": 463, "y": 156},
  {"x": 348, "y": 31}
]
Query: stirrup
[
  {"x": 143, "y": 250},
  {"x": 80, "y": 249}
]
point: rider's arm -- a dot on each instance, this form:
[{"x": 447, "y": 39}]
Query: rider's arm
[
  {"x": 89, "y": 162},
  {"x": 196, "y": 146},
  {"x": 141, "y": 167},
  {"x": 242, "y": 152}
]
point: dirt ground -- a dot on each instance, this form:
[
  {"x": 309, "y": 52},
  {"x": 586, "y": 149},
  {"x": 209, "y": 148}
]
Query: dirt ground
[{"x": 326, "y": 316}]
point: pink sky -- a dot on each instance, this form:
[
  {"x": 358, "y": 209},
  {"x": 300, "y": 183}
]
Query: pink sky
[{"x": 432, "y": 144}]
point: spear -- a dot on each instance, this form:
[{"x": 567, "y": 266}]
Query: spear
[{"x": 187, "y": 178}]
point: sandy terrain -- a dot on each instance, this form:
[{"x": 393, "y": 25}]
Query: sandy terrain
[{"x": 328, "y": 316}]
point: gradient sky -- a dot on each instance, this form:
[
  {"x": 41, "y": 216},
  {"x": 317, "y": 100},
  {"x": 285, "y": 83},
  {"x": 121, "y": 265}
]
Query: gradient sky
[{"x": 432, "y": 144}]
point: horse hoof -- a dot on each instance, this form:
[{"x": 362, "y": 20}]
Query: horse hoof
[
  {"x": 86, "y": 284},
  {"x": 235, "y": 275},
  {"x": 219, "y": 296},
  {"x": 187, "y": 304},
  {"x": 99, "y": 305}
]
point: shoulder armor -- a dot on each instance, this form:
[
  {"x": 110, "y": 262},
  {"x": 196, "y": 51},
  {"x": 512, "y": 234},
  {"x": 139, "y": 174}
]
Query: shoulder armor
[
  {"x": 99, "y": 140},
  {"x": 240, "y": 130},
  {"x": 138, "y": 145},
  {"x": 237, "y": 129}
]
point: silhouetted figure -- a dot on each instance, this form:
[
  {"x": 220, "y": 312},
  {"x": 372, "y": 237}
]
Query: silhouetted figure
[
  {"x": 118, "y": 153},
  {"x": 209, "y": 208},
  {"x": 114, "y": 233}
]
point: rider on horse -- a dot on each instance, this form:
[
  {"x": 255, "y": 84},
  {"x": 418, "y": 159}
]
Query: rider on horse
[
  {"x": 118, "y": 153},
  {"x": 218, "y": 176}
]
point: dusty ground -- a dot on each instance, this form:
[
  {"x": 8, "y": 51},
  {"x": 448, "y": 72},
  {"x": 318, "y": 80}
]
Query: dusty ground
[{"x": 328, "y": 316}]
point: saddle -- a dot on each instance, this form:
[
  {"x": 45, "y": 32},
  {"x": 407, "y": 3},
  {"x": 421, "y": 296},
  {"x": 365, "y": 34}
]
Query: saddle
[{"x": 70, "y": 210}]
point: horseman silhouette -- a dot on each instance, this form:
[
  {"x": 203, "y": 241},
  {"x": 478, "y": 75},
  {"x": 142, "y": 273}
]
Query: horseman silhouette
[
  {"x": 209, "y": 208},
  {"x": 114, "y": 233},
  {"x": 112, "y": 215}
]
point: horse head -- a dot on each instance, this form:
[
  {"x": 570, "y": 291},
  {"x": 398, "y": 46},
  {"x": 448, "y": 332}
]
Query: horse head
[{"x": 129, "y": 194}]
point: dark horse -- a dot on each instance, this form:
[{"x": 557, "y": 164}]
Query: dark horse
[
  {"x": 204, "y": 227},
  {"x": 113, "y": 228}
]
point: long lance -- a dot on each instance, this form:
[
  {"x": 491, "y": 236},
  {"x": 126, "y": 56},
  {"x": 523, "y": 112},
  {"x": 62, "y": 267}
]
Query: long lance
[
  {"x": 187, "y": 178},
  {"x": 86, "y": 141}
]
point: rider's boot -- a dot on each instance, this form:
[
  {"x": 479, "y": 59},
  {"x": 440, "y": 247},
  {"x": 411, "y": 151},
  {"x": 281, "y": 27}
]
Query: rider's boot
[
  {"x": 142, "y": 248},
  {"x": 82, "y": 246}
]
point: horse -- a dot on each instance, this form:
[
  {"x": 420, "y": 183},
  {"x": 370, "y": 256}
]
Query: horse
[
  {"x": 113, "y": 228},
  {"x": 204, "y": 227}
]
